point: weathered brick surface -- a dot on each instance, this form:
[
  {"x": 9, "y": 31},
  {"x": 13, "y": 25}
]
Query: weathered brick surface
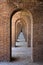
[
  {"x": 6, "y": 8},
  {"x": 38, "y": 35},
  {"x": 4, "y": 32}
]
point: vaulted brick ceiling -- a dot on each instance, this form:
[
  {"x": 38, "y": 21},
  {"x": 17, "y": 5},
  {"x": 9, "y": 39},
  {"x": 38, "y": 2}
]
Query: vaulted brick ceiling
[
  {"x": 26, "y": 0},
  {"x": 31, "y": 3}
]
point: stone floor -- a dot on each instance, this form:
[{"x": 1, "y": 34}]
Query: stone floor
[
  {"x": 19, "y": 63},
  {"x": 21, "y": 56}
]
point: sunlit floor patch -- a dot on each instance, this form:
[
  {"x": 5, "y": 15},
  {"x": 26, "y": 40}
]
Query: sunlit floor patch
[{"x": 21, "y": 53}]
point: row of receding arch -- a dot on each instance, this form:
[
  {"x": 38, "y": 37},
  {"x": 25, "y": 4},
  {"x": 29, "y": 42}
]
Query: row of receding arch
[{"x": 22, "y": 18}]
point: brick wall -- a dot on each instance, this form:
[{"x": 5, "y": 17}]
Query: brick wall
[
  {"x": 6, "y": 8},
  {"x": 4, "y": 32},
  {"x": 38, "y": 35}
]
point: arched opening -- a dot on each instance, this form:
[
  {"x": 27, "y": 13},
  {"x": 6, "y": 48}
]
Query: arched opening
[
  {"x": 22, "y": 21},
  {"x": 20, "y": 36}
]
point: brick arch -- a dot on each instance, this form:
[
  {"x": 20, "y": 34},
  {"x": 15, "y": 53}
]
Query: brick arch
[
  {"x": 23, "y": 24},
  {"x": 31, "y": 20}
]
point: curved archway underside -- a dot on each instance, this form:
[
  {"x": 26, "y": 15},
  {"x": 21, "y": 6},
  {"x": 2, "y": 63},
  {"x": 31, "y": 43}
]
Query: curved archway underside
[{"x": 22, "y": 20}]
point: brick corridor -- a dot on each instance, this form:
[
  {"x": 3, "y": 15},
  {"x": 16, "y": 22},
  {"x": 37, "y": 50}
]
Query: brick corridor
[{"x": 21, "y": 52}]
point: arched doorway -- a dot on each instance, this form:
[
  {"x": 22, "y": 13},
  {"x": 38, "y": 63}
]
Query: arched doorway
[
  {"x": 21, "y": 25},
  {"x": 25, "y": 17}
]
